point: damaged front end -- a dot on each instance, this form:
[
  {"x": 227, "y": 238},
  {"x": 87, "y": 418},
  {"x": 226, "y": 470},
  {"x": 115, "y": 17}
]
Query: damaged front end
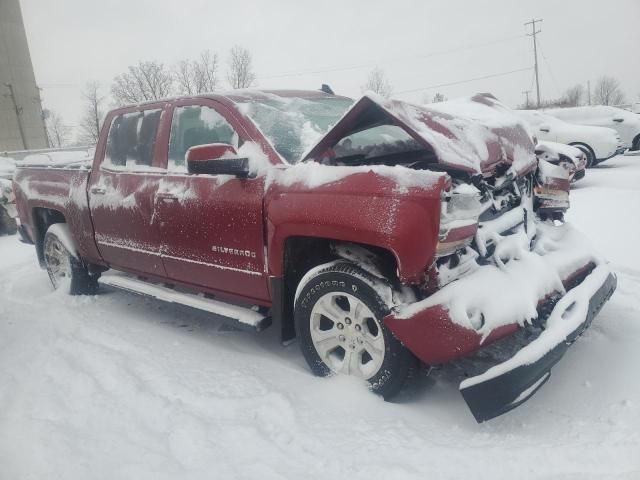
[
  {"x": 511, "y": 382},
  {"x": 505, "y": 262}
]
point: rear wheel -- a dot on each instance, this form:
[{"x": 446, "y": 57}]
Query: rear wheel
[
  {"x": 635, "y": 146},
  {"x": 338, "y": 316},
  {"x": 64, "y": 269}
]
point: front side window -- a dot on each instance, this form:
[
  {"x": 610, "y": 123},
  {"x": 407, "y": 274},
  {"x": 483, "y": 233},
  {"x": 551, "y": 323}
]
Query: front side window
[
  {"x": 197, "y": 125},
  {"x": 132, "y": 139}
]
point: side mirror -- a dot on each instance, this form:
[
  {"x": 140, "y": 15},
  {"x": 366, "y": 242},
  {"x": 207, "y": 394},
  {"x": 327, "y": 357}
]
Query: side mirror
[
  {"x": 545, "y": 128},
  {"x": 216, "y": 159},
  {"x": 618, "y": 120}
]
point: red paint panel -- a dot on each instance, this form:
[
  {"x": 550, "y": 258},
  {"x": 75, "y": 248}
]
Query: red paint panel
[
  {"x": 211, "y": 231},
  {"x": 434, "y": 338},
  {"x": 363, "y": 208}
]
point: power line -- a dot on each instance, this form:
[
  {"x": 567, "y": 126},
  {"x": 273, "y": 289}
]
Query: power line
[
  {"x": 546, "y": 62},
  {"x": 468, "y": 80},
  {"x": 394, "y": 60}
]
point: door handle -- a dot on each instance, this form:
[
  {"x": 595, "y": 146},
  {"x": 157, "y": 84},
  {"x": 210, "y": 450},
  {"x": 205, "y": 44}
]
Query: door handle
[{"x": 98, "y": 190}]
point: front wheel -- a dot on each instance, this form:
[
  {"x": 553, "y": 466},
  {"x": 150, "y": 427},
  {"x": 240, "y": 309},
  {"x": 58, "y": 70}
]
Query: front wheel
[
  {"x": 338, "y": 314},
  {"x": 65, "y": 269}
]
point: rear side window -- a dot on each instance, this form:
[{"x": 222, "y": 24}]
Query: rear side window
[
  {"x": 197, "y": 125},
  {"x": 132, "y": 139}
]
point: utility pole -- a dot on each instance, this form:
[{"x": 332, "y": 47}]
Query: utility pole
[
  {"x": 526, "y": 102},
  {"x": 533, "y": 34},
  {"x": 43, "y": 115},
  {"x": 18, "y": 111},
  {"x": 589, "y": 91}
]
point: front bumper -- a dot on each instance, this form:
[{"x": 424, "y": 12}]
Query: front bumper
[
  {"x": 474, "y": 317},
  {"x": 507, "y": 385}
]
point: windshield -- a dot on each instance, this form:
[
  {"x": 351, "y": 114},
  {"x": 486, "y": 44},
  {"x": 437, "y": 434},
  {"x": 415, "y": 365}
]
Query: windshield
[{"x": 294, "y": 124}]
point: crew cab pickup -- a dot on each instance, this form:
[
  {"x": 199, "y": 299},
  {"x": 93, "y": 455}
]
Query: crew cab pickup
[{"x": 379, "y": 233}]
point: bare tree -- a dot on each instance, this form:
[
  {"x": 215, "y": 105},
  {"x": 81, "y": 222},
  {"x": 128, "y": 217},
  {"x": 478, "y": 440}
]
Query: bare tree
[
  {"x": 240, "y": 74},
  {"x": 56, "y": 129},
  {"x": 574, "y": 96},
  {"x": 199, "y": 75},
  {"x": 439, "y": 97},
  {"x": 148, "y": 80},
  {"x": 607, "y": 91},
  {"x": 378, "y": 82},
  {"x": 93, "y": 113},
  {"x": 183, "y": 72}
]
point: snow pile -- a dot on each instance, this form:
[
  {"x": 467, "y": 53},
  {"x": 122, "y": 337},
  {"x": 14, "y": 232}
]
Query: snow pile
[
  {"x": 567, "y": 316},
  {"x": 509, "y": 290}
]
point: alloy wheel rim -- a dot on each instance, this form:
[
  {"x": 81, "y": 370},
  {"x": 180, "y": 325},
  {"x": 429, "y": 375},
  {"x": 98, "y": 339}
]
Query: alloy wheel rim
[{"x": 346, "y": 335}]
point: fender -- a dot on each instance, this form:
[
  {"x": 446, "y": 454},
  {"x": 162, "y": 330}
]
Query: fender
[
  {"x": 62, "y": 190},
  {"x": 365, "y": 207}
]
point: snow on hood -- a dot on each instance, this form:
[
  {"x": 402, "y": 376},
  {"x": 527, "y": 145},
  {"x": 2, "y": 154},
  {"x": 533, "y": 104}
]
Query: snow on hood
[
  {"x": 473, "y": 135},
  {"x": 553, "y": 150}
]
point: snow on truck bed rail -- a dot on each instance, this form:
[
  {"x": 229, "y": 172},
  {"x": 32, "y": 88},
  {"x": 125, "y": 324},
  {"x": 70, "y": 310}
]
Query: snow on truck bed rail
[{"x": 75, "y": 159}]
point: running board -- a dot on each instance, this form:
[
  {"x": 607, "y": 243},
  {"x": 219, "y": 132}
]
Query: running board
[{"x": 244, "y": 316}]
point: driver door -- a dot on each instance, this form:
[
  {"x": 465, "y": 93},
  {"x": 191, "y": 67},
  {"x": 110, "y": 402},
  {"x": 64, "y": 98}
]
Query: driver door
[{"x": 211, "y": 227}]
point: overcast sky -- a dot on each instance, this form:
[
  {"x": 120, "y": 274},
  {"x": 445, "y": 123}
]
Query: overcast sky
[{"x": 418, "y": 43}]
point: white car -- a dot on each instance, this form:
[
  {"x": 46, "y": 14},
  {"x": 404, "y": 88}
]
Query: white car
[
  {"x": 626, "y": 123},
  {"x": 597, "y": 143}
]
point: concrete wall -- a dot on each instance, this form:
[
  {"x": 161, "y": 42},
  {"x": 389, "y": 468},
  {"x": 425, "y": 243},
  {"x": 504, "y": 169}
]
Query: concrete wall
[{"x": 16, "y": 69}]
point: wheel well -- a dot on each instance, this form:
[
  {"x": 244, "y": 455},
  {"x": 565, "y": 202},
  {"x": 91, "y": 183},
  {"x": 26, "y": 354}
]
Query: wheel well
[
  {"x": 303, "y": 253},
  {"x": 43, "y": 218}
]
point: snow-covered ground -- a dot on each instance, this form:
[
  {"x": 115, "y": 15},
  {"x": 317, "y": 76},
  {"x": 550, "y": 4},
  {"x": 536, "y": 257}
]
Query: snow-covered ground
[{"x": 119, "y": 387}]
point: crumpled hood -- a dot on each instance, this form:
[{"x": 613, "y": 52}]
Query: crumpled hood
[{"x": 472, "y": 135}]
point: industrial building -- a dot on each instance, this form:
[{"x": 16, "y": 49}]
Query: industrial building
[{"x": 21, "y": 121}]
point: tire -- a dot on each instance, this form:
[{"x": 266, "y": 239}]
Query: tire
[
  {"x": 588, "y": 152},
  {"x": 338, "y": 316},
  {"x": 635, "y": 146},
  {"x": 8, "y": 224},
  {"x": 64, "y": 268}
]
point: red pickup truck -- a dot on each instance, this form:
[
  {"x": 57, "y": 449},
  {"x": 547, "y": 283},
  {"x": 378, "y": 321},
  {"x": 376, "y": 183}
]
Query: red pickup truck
[{"x": 379, "y": 233}]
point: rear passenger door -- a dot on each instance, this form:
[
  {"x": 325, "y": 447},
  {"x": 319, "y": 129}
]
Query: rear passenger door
[
  {"x": 212, "y": 227},
  {"x": 122, "y": 191}
]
